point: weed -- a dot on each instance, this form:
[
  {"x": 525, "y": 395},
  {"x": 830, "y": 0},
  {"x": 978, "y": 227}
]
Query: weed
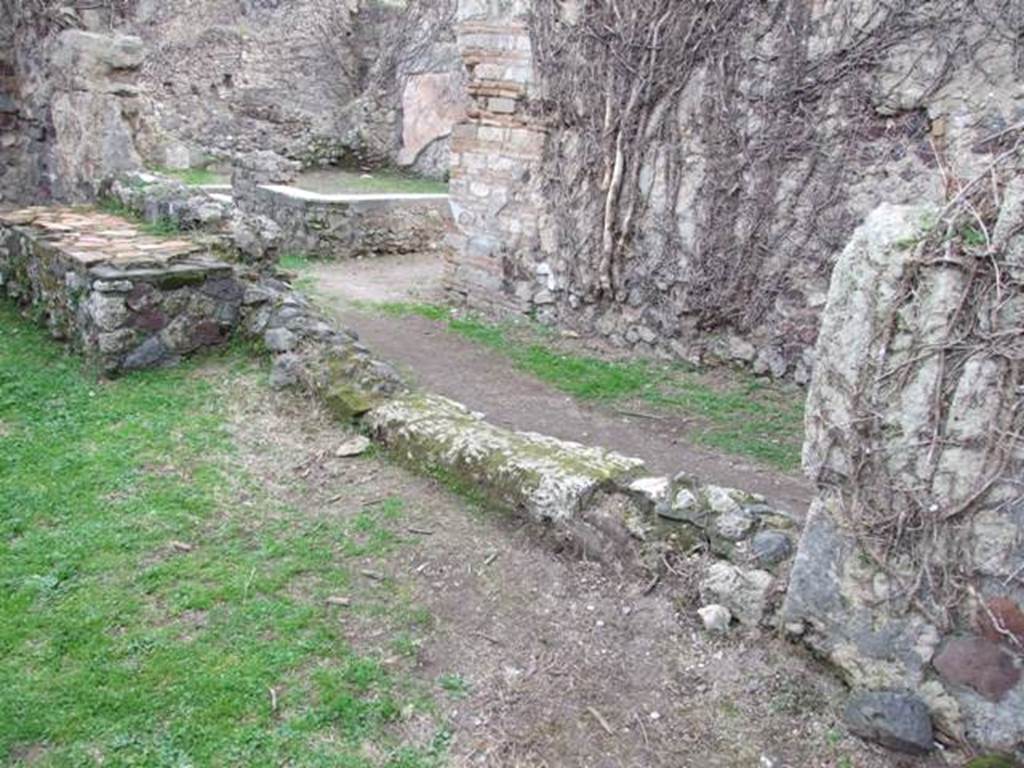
[
  {"x": 162, "y": 227},
  {"x": 454, "y": 685}
]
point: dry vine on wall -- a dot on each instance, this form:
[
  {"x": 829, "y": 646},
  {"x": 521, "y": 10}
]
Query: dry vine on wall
[
  {"x": 906, "y": 517},
  {"x": 772, "y": 104}
]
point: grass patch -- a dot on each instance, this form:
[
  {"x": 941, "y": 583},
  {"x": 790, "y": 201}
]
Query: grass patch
[
  {"x": 299, "y": 263},
  {"x": 734, "y": 412},
  {"x": 192, "y": 177},
  {"x": 119, "y": 645},
  {"x": 162, "y": 227},
  {"x": 336, "y": 181}
]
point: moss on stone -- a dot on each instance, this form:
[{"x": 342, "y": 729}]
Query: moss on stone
[
  {"x": 993, "y": 761},
  {"x": 346, "y": 402}
]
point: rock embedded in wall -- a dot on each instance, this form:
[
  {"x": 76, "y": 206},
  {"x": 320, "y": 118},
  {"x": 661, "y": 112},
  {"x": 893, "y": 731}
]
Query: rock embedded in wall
[
  {"x": 908, "y": 574},
  {"x": 94, "y": 110}
]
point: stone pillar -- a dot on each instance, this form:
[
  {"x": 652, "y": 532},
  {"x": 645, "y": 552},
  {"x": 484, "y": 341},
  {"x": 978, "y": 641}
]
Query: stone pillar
[
  {"x": 95, "y": 109},
  {"x": 496, "y": 154},
  {"x": 910, "y": 571}
]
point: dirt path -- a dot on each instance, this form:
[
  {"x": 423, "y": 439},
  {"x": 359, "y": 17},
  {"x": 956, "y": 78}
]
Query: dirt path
[
  {"x": 484, "y": 380},
  {"x": 549, "y": 661}
]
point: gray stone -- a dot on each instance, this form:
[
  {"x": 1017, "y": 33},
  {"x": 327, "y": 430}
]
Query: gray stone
[
  {"x": 722, "y": 500},
  {"x": 687, "y": 506},
  {"x": 716, "y": 617},
  {"x": 547, "y": 479},
  {"x": 770, "y": 361},
  {"x": 286, "y": 371},
  {"x": 116, "y": 342},
  {"x": 113, "y": 286},
  {"x": 897, "y": 721},
  {"x": 744, "y": 592},
  {"x": 280, "y": 340},
  {"x": 152, "y": 352},
  {"x": 652, "y": 492},
  {"x": 771, "y": 547},
  {"x": 107, "y": 311},
  {"x": 734, "y": 525},
  {"x": 354, "y": 446}
]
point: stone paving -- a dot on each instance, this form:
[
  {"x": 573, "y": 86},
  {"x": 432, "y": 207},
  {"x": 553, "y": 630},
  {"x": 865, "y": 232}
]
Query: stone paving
[{"x": 91, "y": 237}]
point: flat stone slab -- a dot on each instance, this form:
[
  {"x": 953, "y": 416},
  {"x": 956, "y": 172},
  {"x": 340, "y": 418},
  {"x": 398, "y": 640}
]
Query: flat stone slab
[
  {"x": 305, "y": 195},
  {"x": 90, "y": 238},
  {"x": 548, "y": 479}
]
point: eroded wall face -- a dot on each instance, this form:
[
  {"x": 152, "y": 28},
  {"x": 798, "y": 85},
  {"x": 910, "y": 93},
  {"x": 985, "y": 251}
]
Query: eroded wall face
[
  {"x": 86, "y": 92},
  {"x": 908, "y": 576},
  {"x": 745, "y": 188},
  {"x": 315, "y": 80}
]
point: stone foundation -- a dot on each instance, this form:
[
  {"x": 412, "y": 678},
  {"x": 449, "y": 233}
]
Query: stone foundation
[
  {"x": 349, "y": 226},
  {"x": 125, "y": 299}
]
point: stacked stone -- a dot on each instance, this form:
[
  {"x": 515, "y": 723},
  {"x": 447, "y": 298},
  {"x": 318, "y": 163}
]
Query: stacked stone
[
  {"x": 751, "y": 543},
  {"x": 124, "y": 299},
  {"x": 309, "y": 352},
  {"x": 156, "y": 199},
  {"x": 14, "y": 156},
  {"x": 496, "y": 157},
  {"x": 347, "y": 225}
]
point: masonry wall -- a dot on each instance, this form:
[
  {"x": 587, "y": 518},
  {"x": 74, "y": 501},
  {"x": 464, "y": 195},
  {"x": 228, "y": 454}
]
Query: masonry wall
[
  {"x": 728, "y": 258},
  {"x": 317, "y": 80}
]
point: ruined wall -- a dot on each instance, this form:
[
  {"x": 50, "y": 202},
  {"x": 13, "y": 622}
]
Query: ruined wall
[
  {"x": 73, "y": 112},
  {"x": 699, "y": 210},
  {"x": 123, "y": 299},
  {"x": 316, "y": 80},
  {"x": 497, "y": 198},
  {"x": 98, "y": 87},
  {"x": 910, "y": 572}
]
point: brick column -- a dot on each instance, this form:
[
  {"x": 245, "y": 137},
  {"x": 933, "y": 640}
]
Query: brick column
[{"x": 496, "y": 155}]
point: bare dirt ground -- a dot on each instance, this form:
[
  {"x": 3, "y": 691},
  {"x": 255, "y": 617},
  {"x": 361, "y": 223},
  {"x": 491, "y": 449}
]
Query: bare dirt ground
[
  {"x": 555, "y": 662},
  {"x": 485, "y": 381}
]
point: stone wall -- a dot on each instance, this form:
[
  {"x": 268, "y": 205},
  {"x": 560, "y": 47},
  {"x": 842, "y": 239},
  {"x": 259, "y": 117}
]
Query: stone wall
[
  {"x": 72, "y": 111},
  {"x": 909, "y": 571},
  {"x": 351, "y": 226},
  {"x": 316, "y": 80},
  {"x": 95, "y": 109},
  {"x": 282, "y": 218},
  {"x": 497, "y": 199},
  {"x": 124, "y": 299},
  {"x": 730, "y": 254}
]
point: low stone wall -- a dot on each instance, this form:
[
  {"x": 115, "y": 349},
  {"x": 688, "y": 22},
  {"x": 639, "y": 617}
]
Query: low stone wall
[
  {"x": 123, "y": 298},
  {"x": 347, "y": 226}
]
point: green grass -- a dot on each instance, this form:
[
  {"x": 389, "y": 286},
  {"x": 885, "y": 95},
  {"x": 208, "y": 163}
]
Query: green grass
[
  {"x": 301, "y": 264},
  {"x": 337, "y": 181},
  {"x": 735, "y": 412},
  {"x": 454, "y": 685},
  {"x": 192, "y": 177},
  {"x": 162, "y": 227},
  {"x": 119, "y": 648}
]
